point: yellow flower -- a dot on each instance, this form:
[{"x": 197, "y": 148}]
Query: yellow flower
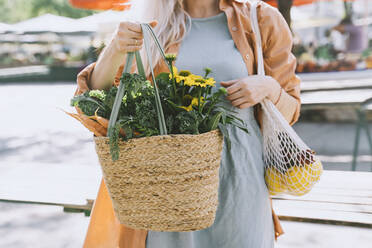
[
  {"x": 201, "y": 82},
  {"x": 210, "y": 81},
  {"x": 170, "y": 57},
  {"x": 194, "y": 102},
  {"x": 185, "y": 76},
  {"x": 187, "y": 102},
  {"x": 188, "y": 108},
  {"x": 190, "y": 79},
  {"x": 175, "y": 71}
]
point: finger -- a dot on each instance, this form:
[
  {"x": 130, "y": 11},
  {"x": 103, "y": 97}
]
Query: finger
[
  {"x": 239, "y": 101},
  {"x": 129, "y": 34},
  {"x": 133, "y": 48},
  {"x": 228, "y": 83},
  {"x": 245, "y": 105},
  {"x": 135, "y": 27},
  {"x": 135, "y": 35},
  {"x": 234, "y": 88},
  {"x": 130, "y": 42},
  {"x": 235, "y": 95}
]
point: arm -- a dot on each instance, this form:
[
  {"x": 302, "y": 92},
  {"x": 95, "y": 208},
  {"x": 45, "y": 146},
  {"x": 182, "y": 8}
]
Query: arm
[
  {"x": 107, "y": 70},
  {"x": 279, "y": 61},
  {"x": 127, "y": 38},
  {"x": 106, "y": 67},
  {"x": 280, "y": 84}
]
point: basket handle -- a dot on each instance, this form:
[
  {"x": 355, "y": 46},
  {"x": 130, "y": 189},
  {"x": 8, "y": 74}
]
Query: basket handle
[{"x": 147, "y": 34}]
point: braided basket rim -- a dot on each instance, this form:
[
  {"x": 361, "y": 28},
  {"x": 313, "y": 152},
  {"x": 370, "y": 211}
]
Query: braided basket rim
[{"x": 159, "y": 137}]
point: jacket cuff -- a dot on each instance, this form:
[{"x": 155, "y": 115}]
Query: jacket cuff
[
  {"x": 288, "y": 106},
  {"x": 83, "y": 79}
]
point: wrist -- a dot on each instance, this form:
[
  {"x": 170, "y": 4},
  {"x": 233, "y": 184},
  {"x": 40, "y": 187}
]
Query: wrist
[
  {"x": 114, "y": 49},
  {"x": 274, "y": 91}
]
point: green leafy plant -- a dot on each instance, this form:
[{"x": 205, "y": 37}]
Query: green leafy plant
[{"x": 189, "y": 106}]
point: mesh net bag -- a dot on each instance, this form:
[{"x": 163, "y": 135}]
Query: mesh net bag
[{"x": 290, "y": 165}]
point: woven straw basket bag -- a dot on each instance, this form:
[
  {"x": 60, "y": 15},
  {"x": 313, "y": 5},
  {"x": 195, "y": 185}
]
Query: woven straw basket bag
[{"x": 166, "y": 182}]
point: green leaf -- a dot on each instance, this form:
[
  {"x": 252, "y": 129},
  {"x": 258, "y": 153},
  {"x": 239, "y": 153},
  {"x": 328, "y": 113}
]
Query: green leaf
[
  {"x": 89, "y": 105},
  {"x": 239, "y": 125},
  {"x": 113, "y": 141},
  {"x": 75, "y": 101},
  {"x": 175, "y": 106},
  {"x": 213, "y": 122},
  {"x": 235, "y": 118},
  {"x": 223, "y": 117},
  {"x": 225, "y": 109},
  {"x": 163, "y": 76},
  {"x": 187, "y": 122}
]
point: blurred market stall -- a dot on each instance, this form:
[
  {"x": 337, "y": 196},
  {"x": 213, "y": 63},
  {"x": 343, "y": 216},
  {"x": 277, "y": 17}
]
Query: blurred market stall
[
  {"x": 318, "y": 45},
  {"x": 66, "y": 44}
]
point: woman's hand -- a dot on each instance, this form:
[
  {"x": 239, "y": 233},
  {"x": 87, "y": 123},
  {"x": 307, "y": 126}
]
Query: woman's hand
[
  {"x": 129, "y": 37},
  {"x": 249, "y": 91}
]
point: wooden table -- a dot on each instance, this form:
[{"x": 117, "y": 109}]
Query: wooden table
[
  {"x": 334, "y": 84},
  {"x": 322, "y": 99},
  {"x": 336, "y": 75},
  {"x": 355, "y": 93},
  {"x": 340, "y": 198}
]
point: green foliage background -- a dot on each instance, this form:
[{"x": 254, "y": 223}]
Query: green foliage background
[{"x": 12, "y": 11}]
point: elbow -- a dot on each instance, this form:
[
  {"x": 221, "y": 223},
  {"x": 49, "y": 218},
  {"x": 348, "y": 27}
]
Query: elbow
[{"x": 83, "y": 79}]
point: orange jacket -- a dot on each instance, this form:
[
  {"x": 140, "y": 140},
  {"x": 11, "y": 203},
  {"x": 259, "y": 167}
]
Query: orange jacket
[{"x": 279, "y": 63}]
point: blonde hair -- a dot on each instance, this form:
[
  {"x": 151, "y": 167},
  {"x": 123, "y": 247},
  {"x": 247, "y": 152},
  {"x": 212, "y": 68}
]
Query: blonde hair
[{"x": 172, "y": 26}]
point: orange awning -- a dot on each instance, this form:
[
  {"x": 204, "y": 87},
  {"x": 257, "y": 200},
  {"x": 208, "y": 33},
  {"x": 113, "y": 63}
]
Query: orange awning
[
  {"x": 101, "y": 4},
  {"x": 299, "y": 2}
]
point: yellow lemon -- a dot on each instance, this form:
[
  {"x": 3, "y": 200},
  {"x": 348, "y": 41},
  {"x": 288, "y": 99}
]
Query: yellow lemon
[
  {"x": 299, "y": 180},
  {"x": 315, "y": 169},
  {"x": 274, "y": 181}
]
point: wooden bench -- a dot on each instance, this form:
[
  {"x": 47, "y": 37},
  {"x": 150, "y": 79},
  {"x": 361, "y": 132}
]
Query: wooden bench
[{"x": 340, "y": 198}]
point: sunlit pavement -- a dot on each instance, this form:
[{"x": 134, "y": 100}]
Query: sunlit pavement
[
  {"x": 35, "y": 226},
  {"x": 35, "y": 132}
]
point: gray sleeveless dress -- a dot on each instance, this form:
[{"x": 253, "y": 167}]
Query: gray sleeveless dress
[{"x": 243, "y": 218}]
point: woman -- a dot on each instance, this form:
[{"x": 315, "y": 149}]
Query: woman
[{"x": 216, "y": 34}]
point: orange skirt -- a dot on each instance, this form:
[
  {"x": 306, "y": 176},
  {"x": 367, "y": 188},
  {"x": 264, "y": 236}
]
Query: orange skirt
[{"x": 105, "y": 230}]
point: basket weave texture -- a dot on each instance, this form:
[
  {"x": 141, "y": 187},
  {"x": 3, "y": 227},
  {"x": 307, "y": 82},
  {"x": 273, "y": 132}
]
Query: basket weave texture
[{"x": 164, "y": 183}]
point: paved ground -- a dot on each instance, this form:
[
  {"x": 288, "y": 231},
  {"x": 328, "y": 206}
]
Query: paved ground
[
  {"x": 35, "y": 226},
  {"x": 30, "y": 226},
  {"x": 35, "y": 131}
]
